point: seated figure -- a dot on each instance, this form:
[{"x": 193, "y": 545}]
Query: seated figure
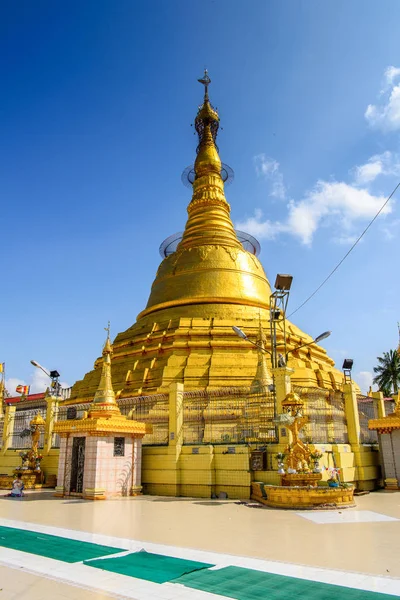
[{"x": 17, "y": 487}]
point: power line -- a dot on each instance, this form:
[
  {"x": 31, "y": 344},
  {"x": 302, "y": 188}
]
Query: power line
[{"x": 347, "y": 253}]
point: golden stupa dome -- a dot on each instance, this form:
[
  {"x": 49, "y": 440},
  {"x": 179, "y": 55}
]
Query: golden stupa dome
[{"x": 210, "y": 264}]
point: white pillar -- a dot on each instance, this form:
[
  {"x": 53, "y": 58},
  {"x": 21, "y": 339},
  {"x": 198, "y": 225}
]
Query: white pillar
[
  {"x": 62, "y": 462},
  {"x": 136, "y": 467}
]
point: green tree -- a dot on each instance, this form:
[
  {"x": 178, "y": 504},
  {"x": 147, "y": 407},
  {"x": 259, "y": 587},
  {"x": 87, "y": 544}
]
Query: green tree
[{"x": 388, "y": 372}]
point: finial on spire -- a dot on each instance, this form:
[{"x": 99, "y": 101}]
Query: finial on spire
[
  {"x": 104, "y": 398},
  {"x": 205, "y": 80},
  {"x": 206, "y": 125},
  {"x": 107, "y": 346}
]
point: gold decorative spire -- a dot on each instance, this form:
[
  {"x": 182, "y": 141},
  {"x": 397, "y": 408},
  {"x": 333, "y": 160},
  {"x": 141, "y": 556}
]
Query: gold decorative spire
[
  {"x": 104, "y": 399},
  {"x": 210, "y": 265},
  {"x": 262, "y": 378},
  {"x": 209, "y": 213}
]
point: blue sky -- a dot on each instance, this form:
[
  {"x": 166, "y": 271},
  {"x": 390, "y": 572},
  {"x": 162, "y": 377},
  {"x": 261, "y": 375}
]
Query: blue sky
[{"x": 95, "y": 112}]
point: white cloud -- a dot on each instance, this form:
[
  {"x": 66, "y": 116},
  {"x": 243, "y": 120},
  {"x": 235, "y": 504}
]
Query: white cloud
[
  {"x": 391, "y": 230},
  {"x": 389, "y": 76},
  {"x": 336, "y": 201},
  {"x": 337, "y": 204},
  {"x": 269, "y": 169},
  {"x": 386, "y": 114},
  {"x": 364, "y": 380},
  {"x": 39, "y": 383},
  {"x": 12, "y": 383},
  {"x": 386, "y": 163},
  {"x": 261, "y": 229}
]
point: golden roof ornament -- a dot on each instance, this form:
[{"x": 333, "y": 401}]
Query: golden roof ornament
[
  {"x": 292, "y": 403},
  {"x": 207, "y": 125},
  {"x": 262, "y": 379},
  {"x": 104, "y": 401},
  {"x": 205, "y": 80}
]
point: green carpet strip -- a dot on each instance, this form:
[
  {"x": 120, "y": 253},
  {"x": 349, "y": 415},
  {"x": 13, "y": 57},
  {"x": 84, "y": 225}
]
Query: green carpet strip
[
  {"x": 52, "y": 546},
  {"x": 246, "y": 584},
  {"x": 152, "y": 567}
]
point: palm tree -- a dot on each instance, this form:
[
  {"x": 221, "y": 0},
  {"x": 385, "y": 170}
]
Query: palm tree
[{"x": 388, "y": 372}]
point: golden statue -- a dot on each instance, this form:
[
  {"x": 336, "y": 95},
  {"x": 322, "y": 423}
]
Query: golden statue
[
  {"x": 31, "y": 459},
  {"x": 298, "y": 459}
]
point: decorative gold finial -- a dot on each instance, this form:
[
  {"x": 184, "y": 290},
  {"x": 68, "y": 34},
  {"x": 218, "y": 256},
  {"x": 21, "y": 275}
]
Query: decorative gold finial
[
  {"x": 206, "y": 125},
  {"x": 205, "y": 80},
  {"x": 209, "y": 222},
  {"x": 262, "y": 379},
  {"x": 104, "y": 399}
]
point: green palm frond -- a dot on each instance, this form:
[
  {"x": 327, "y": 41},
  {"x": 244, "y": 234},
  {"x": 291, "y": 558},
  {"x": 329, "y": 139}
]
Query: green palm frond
[{"x": 388, "y": 372}]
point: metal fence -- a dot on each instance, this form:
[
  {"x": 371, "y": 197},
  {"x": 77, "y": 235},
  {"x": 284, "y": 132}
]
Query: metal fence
[
  {"x": 366, "y": 411},
  {"x": 230, "y": 415},
  {"x": 390, "y": 405},
  {"x": 326, "y": 415},
  {"x": 61, "y": 413},
  {"x": 227, "y": 415},
  {"x": 21, "y": 434},
  {"x": 149, "y": 409}
]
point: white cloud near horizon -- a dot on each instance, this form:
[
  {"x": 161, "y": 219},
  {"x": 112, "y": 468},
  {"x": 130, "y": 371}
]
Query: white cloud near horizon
[
  {"x": 39, "y": 383},
  {"x": 364, "y": 380},
  {"x": 269, "y": 168},
  {"x": 385, "y": 115}
]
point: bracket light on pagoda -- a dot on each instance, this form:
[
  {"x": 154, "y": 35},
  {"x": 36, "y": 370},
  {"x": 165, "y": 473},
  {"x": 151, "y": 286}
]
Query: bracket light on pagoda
[
  {"x": 322, "y": 336},
  {"x": 53, "y": 375}
]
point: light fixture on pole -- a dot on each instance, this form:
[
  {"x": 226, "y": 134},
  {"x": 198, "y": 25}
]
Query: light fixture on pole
[
  {"x": 240, "y": 333},
  {"x": 322, "y": 336},
  {"x": 347, "y": 367},
  {"x": 53, "y": 375},
  {"x": 278, "y": 302},
  {"x": 283, "y": 283}
]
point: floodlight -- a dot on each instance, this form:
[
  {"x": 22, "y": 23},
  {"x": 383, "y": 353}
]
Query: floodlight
[
  {"x": 347, "y": 364},
  {"x": 283, "y": 282}
]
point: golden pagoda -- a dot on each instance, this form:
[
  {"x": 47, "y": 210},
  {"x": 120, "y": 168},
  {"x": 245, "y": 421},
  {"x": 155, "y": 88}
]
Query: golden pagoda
[{"x": 209, "y": 283}]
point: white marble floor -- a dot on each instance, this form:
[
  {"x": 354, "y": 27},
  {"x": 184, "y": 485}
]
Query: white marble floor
[{"x": 356, "y": 548}]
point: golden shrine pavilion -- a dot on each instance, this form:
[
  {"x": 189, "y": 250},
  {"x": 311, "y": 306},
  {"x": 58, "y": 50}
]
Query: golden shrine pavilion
[{"x": 209, "y": 283}]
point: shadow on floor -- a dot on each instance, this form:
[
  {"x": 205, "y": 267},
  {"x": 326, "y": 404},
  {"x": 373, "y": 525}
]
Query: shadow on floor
[
  {"x": 33, "y": 496},
  {"x": 213, "y": 503}
]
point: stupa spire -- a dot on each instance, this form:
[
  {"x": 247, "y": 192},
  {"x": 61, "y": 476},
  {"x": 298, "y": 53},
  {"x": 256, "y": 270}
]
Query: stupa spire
[
  {"x": 104, "y": 398},
  {"x": 209, "y": 265},
  {"x": 209, "y": 213},
  {"x": 263, "y": 377}
]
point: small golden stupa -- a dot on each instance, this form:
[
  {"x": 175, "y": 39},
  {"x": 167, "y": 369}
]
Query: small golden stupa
[{"x": 209, "y": 283}]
